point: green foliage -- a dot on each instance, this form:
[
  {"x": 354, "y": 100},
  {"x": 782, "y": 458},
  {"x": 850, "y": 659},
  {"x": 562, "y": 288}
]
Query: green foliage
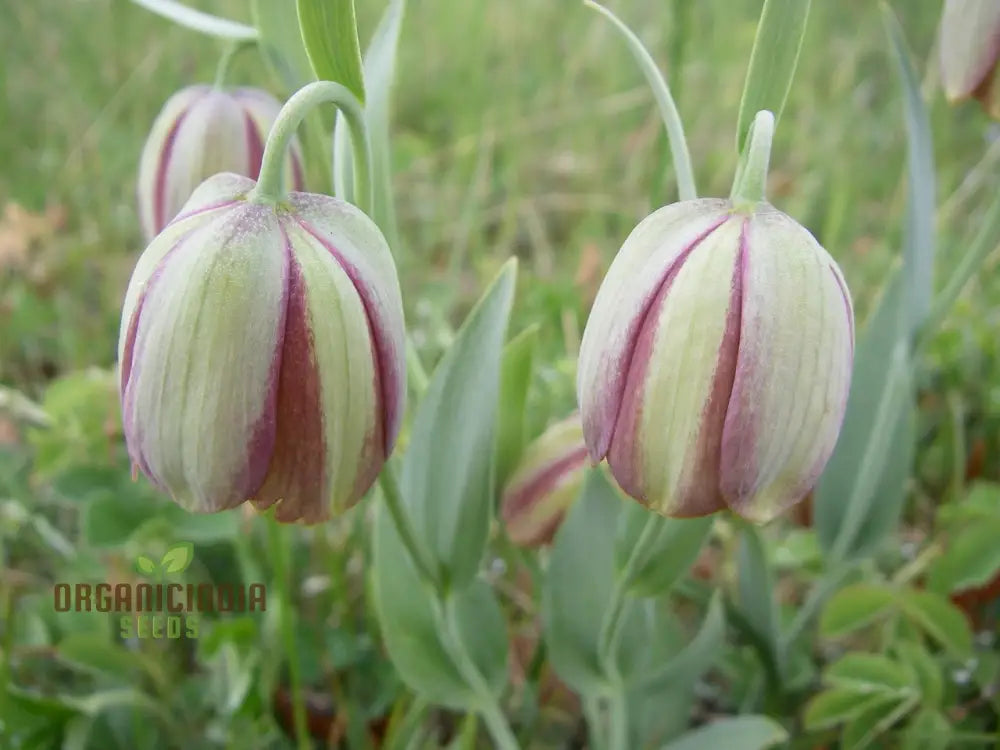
[
  {"x": 517, "y": 129},
  {"x": 775, "y": 56},
  {"x": 449, "y": 470},
  {"x": 330, "y": 34}
]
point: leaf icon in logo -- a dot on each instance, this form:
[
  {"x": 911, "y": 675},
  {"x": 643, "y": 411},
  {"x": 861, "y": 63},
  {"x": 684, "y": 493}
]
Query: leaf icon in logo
[
  {"x": 177, "y": 558},
  {"x": 144, "y": 565}
]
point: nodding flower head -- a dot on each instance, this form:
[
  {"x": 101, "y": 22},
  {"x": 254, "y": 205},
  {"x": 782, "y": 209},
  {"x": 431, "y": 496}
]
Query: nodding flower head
[
  {"x": 970, "y": 51},
  {"x": 201, "y": 131},
  {"x": 545, "y": 483},
  {"x": 716, "y": 362},
  {"x": 262, "y": 353}
]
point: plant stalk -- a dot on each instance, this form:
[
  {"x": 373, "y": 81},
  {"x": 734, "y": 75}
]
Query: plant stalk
[
  {"x": 750, "y": 185},
  {"x": 664, "y": 101},
  {"x": 280, "y": 543},
  {"x": 269, "y": 187},
  {"x": 404, "y": 527}
]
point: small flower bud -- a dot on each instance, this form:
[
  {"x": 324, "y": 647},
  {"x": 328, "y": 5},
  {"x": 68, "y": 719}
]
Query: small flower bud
[
  {"x": 970, "y": 50},
  {"x": 202, "y": 131},
  {"x": 262, "y": 353},
  {"x": 715, "y": 364},
  {"x": 545, "y": 484}
]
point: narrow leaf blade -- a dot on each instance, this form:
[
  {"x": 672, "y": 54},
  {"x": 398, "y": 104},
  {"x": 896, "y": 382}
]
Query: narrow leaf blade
[
  {"x": 329, "y": 31},
  {"x": 448, "y": 471},
  {"x": 773, "y": 61},
  {"x": 736, "y": 733},
  {"x": 198, "y": 20},
  {"x": 918, "y": 236}
]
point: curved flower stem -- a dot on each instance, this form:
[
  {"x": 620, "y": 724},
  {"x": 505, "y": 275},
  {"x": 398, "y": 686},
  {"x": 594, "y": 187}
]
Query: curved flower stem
[
  {"x": 750, "y": 185},
  {"x": 489, "y": 707},
  {"x": 280, "y": 543},
  {"x": 664, "y": 101},
  {"x": 269, "y": 187},
  {"x": 226, "y": 61},
  {"x": 404, "y": 527}
]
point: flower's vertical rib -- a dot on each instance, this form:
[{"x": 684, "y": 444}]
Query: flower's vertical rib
[
  {"x": 297, "y": 478},
  {"x": 155, "y": 159},
  {"x": 159, "y": 218},
  {"x": 794, "y": 365},
  {"x": 355, "y": 245},
  {"x": 656, "y": 450},
  {"x": 373, "y": 380},
  {"x": 199, "y": 396},
  {"x": 630, "y": 288}
]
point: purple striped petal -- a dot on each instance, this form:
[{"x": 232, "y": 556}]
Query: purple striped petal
[{"x": 637, "y": 274}]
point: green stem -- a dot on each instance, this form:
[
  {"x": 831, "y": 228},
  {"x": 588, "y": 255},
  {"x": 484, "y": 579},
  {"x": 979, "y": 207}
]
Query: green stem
[
  {"x": 280, "y": 543},
  {"x": 750, "y": 185},
  {"x": 592, "y": 710},
  {"x": 983, "y": 244},
  {"x": 404, "y": 731},
  {"x": 415, "y": 369},
  {"x": 226, "y": 61},
  {"x": 664, "y": 101},
  {"x": 269, "y": 187},
  {"x": 404, "y": 527},
  {"x": 614, "y": 616},
  {"x": 489, "y": 707},
  {"x": 619, "y": 719}
]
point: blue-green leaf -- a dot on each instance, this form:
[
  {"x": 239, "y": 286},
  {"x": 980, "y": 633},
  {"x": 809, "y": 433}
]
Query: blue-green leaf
[
  {"x": 736, "y": 733},
  {"x": 773, "y": 61},
  {"x": 330, "y": 33},
  {"x": 664, "y": 101},
  {"x": 448, "y": 471},
  {"x": 671, "y": 554},
  {"x": 198, "y": 20},
  {"x": 697, "y": 656},
  {"x": 410, "y": 617},
  {"x": 756, "y": 603},
  {"x": 918, "y": 236},
  {"x": 379, "y": 73},
  {"x": 515, "y": 377},
  {"x": 578, "y": 586},
  {"x": 860, "y": 495}
]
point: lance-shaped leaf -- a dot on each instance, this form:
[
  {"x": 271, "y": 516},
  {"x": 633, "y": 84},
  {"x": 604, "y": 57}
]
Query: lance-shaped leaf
[
  {"x": 572, "y": 613},
  {"x": 515, "y": 377},
  {"x": 773, "y": 61},
  {"x": 918, "y": 230},
  {"x": 379, "y": 72},
  {"x": 330, "y": 33},
  {"x": 198, "y": 20},
  {"x": 411, "y": 620},
  {"x": 860, "y": 495},
  {"x": 448, "y": 472}
]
